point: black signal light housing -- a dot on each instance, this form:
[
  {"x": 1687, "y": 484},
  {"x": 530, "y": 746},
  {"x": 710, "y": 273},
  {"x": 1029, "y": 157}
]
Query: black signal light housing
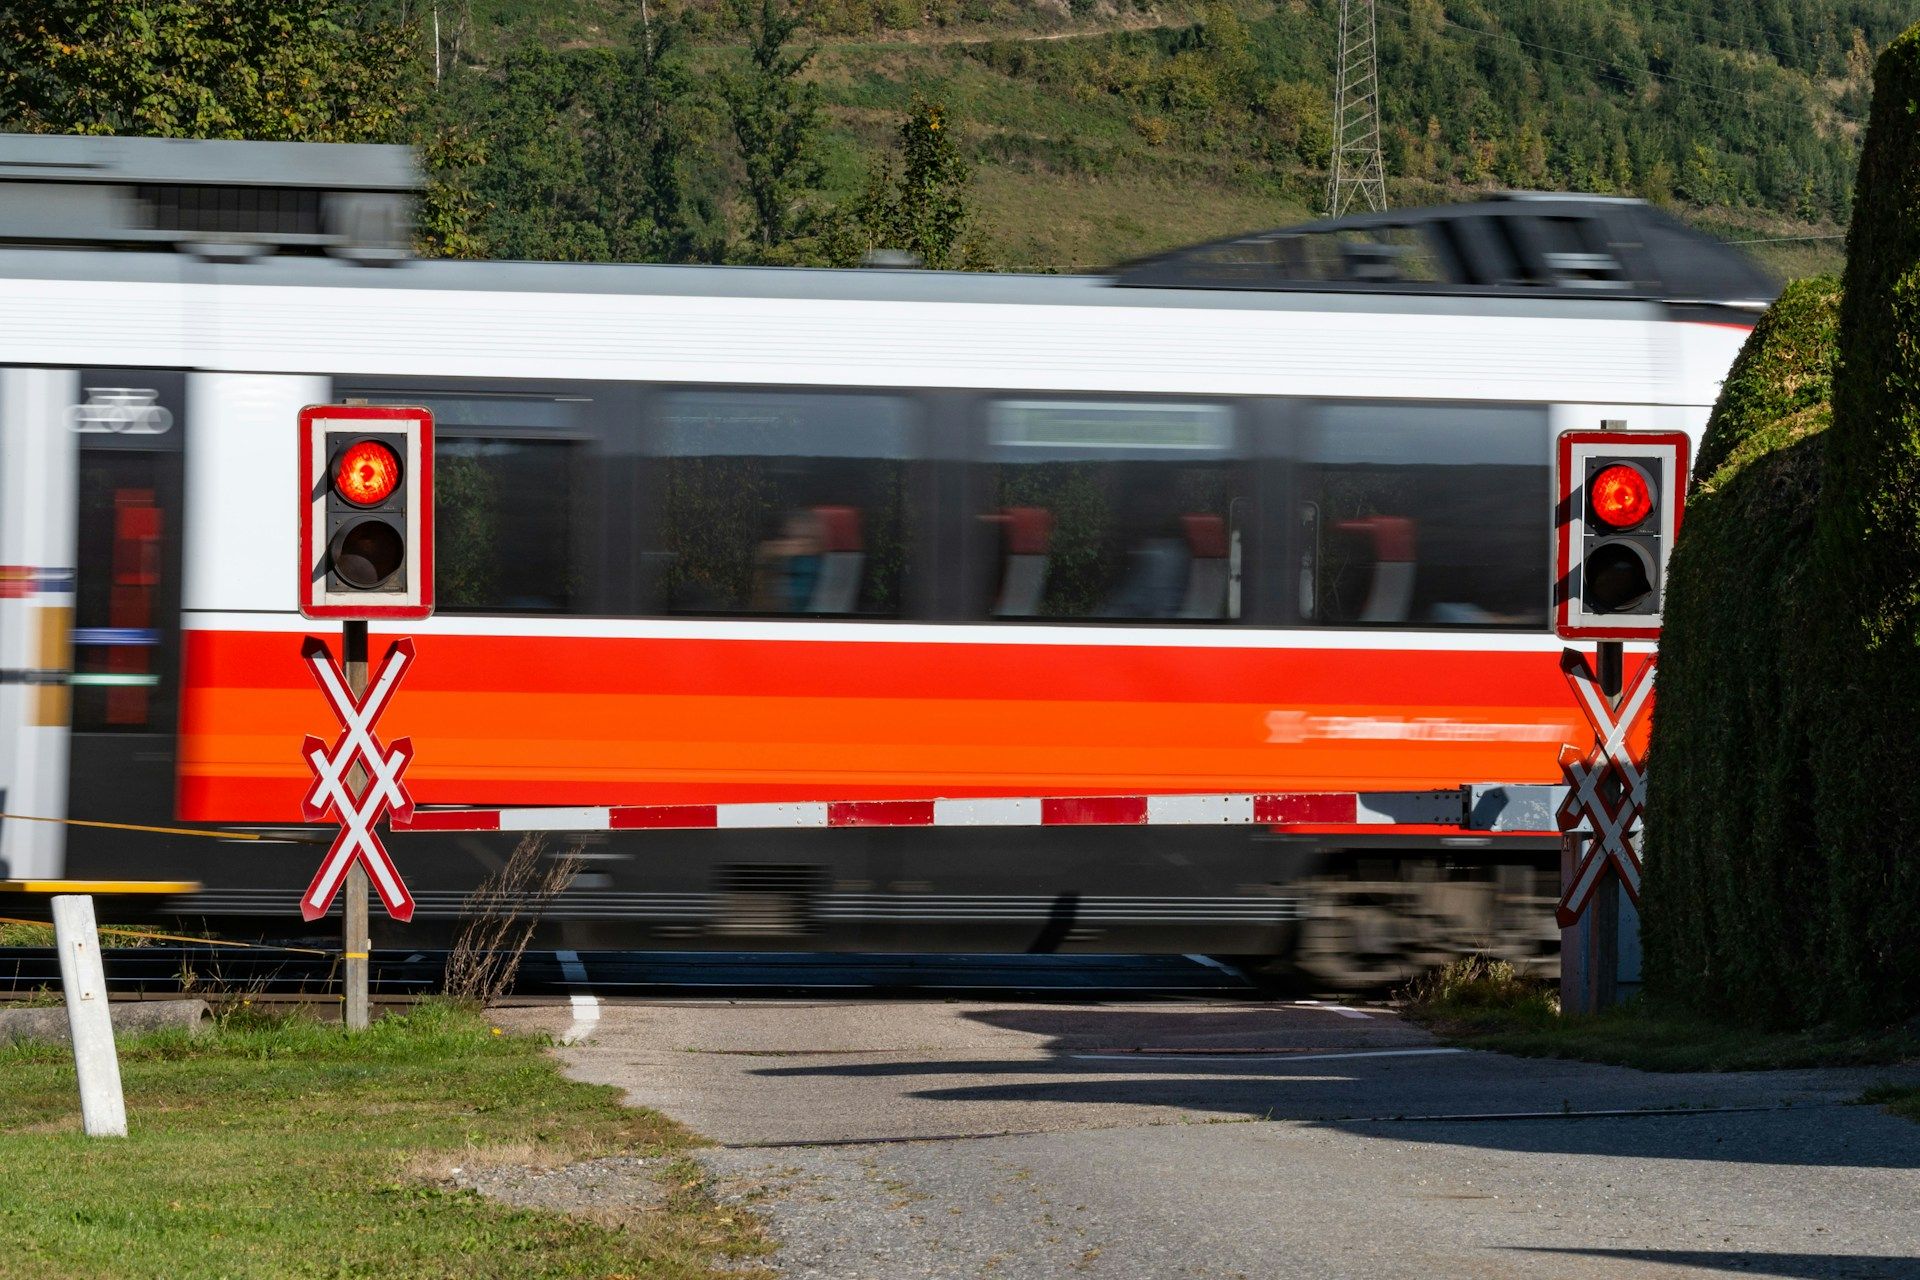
[
  {"x": 366, "y": 484},
  {"x": 1620, "y": 495}
]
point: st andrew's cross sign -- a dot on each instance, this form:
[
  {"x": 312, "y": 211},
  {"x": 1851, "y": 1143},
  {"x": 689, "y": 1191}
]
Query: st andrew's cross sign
[
  {"x": 1606, "y": 788},
  {"x": 382, "y": 788}
]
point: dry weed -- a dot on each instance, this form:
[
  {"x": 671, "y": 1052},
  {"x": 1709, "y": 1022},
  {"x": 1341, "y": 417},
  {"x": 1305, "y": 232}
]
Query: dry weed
[{"x": 501, "y": 915}]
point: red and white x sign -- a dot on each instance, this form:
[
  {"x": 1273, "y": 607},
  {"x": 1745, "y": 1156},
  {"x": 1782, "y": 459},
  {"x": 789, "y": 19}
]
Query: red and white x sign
[
  {"x": 1607, "y": 788},
  {"x": 383, "y": 789}
]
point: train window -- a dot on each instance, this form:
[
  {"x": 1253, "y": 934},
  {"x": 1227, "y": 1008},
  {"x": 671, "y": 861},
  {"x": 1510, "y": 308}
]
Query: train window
[
  {"x": 789, "y": 503},
  {"x": 515, "y": 505},
  {"x": 125, "y": 624},
  {"x": 122, "y": 619},
  {"x": 504, "y": 511},
  {"x": 1423, "y": 516},
  {"x": 1112, "y": 510}
]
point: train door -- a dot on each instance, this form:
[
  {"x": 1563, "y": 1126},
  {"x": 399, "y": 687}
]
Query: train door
[
  {"x": 37, "y": 452},
  {"x": 128, "y": 431}
]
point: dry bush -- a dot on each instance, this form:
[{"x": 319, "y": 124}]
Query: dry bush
[
  {"x": 501, "y": 914},
  {"x": 1476, "y": 984}
]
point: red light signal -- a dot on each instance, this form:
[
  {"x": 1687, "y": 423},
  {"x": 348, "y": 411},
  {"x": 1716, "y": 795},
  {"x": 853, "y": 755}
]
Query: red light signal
[
  {"x": 366, "y": 496},
  {"x": 1620, "y": 494},
  {"x": 366, "y": 473}
]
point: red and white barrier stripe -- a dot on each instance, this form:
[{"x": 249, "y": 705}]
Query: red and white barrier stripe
[{"x": 1276, "y": 809}]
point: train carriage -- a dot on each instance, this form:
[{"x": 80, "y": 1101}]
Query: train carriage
[{"x": 1269, "y": 514}]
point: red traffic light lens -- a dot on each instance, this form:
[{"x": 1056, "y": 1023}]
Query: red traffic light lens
[
  {"x": 1621, "y": 496},
  {"x": 366, "y": 473}
]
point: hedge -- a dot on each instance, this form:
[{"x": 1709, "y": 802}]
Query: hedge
[
  {"x": 1729, "y": 874},
  {"x": 1866, "y": 655},
  {"x": 1783, "y": 839}
]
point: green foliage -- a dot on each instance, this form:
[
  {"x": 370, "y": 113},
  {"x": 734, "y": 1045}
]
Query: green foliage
[
  {"x": 287, "y": 70},
  {"x": 1900, "y": 1100},
  {"x": 1783, "y": 864},
  {"x": 450, "y": 209},
  {"x": 776, "y": 121},
  {"x": 1785, "y": 367},
  {"x": 1729, "y": 917},
  {"x": 1713, "y": 106},
  {"x": 1866, "y": 660},
  {"x": 589, "y": 153},
  {"x": 20, "y": 934},
  {"x": 920, "y": 208}
]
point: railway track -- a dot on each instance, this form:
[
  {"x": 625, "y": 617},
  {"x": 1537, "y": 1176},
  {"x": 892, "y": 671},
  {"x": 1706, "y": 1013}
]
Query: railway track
[{"x": 401, "y": 973}]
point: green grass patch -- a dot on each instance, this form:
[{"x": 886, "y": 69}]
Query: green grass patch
[
  {"x": 278, "y": 1146},
  {"x": 1483, "y": 1004},
  {"x": 26, "y": 935},
  {"x": 1902, "y": 1100}
]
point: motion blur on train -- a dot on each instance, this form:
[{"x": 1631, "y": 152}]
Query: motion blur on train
[{"x": 1267, "y": 514}]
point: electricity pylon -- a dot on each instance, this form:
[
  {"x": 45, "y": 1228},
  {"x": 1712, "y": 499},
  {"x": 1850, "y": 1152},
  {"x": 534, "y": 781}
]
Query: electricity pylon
[{"x": 1358, "y": 171}]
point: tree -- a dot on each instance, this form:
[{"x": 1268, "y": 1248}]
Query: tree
[
  {"x": 280, "y": 70},
  {"x": 450, "y": 210},
  {"x": 776, "y": 122},
  {"x": 920, "y": 208},
  {"x": 587, "y": 154}
]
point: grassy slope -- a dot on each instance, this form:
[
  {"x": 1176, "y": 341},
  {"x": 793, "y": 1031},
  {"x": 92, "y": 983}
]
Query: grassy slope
[
  {"x": 1063, "y": 181},
  {"x": 1059, "y": 183},
  {"x": 290, "y": 1149}
]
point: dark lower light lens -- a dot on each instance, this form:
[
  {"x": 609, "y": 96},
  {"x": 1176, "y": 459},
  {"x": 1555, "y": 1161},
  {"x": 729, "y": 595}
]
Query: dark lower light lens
[
  {"x": 1618, "y": 577},
  {"x": 367, "y": 553}
]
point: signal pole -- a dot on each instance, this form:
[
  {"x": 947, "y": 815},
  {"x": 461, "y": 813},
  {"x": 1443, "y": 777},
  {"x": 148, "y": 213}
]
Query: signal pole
[
  {"x": 1359, "y": 173},
  {"x": 357, "y": 937}
]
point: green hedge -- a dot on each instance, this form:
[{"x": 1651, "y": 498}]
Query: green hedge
[
  {"x": 1866, "y": 744},
  {"x": 1728, "y": 876},
  {"x": 1783, "y": 857}
]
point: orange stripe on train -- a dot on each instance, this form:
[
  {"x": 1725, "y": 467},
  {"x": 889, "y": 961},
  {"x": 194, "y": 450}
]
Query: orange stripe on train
[{"x": 711, "y": 721}]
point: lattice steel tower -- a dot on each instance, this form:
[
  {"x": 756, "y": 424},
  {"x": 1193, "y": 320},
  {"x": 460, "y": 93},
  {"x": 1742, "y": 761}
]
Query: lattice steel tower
[{"x": 1358, "y": 171}]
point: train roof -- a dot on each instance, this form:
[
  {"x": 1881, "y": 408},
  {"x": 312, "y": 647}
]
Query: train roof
[
  {"x": 1538, "y": 244},
  {"x": 260, "y": 212}
]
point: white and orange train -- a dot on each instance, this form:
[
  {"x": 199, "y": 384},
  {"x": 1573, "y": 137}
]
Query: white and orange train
[{"x": 1269, "y": 514}]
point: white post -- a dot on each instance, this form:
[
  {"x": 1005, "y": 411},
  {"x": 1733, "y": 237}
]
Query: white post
[{"x": 102, "y": 1108}]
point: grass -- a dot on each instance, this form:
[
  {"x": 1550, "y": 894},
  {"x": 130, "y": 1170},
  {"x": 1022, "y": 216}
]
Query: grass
[
  {"x": 20, "y": 934},
  {"x": 26, "y": 933},
  {"x": 1902, "y": 1100},
  {"x": 278, "y": 1146},
  {"x": 1483, "y": 1004}
]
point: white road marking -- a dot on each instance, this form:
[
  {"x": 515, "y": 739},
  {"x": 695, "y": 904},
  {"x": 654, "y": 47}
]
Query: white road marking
[
  {"x": 586, "y": 1016},
  {"x": 1340, "y": 1009},
  {"x": 1261, "y": 1057}
]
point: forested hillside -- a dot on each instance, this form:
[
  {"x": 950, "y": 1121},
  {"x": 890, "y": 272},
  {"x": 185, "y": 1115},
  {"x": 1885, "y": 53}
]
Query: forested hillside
[{"x": 1041, "y": 134}]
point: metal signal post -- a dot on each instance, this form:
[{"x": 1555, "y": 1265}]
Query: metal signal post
[
  {"x": 1620, "y": 496},
  {"x": 366, "y": 551},
  {"x": 356, "y": 936}
]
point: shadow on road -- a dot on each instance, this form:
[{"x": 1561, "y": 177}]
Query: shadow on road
[
  {"x": 1790, "y": 1266},
  {"x": 1381, "y": 1076}
]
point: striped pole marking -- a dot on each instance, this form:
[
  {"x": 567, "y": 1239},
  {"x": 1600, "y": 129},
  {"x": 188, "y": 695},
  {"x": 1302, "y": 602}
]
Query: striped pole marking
[{"x": 1274, "y": 809}]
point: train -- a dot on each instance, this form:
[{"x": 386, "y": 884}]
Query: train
[{"x": 1268, "y": 513}]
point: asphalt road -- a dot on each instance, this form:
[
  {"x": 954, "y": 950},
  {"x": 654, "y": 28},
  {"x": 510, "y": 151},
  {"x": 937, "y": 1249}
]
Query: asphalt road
[{"x": 1208, "y": 1138}]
